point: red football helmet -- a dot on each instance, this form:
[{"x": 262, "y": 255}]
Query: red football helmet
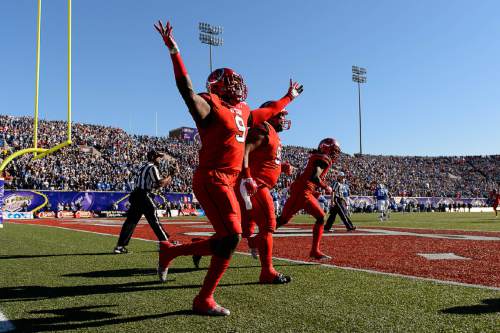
[
  {"x": 330, "y": 147},
  {"x": 279, "y": 122},
  {"x": 228, "y": 85}
]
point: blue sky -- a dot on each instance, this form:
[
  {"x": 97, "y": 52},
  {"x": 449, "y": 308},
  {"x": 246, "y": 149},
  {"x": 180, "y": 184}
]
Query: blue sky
[{"x": 433, "y": 67}]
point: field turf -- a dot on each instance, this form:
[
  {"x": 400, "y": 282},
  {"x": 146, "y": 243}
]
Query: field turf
[{"x": 54, "y": 280}]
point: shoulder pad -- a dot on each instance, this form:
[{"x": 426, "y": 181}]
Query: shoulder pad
[{"x": 210, "y": 98}]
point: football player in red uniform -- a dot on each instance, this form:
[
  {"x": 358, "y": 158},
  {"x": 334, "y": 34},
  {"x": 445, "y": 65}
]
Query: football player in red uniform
[
  {"x": 303, "y": 191},
  {"x": 222, "y": 118},
  {"x": 261, "y": 169},
  {"x": 262, "y": 162}
]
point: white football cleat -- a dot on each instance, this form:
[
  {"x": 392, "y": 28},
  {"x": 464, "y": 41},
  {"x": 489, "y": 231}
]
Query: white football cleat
[{"x": 162, "y": 274}]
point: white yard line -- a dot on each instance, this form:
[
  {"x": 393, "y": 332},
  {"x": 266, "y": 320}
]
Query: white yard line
[
  {"x": 360, "y": 232},
  {"x": 5, "y": 324},
  {"x": 445, "y": 282}
]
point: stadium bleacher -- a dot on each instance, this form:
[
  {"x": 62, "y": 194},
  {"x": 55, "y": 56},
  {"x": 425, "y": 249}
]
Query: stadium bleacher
[{"x": 103, "y": 158}]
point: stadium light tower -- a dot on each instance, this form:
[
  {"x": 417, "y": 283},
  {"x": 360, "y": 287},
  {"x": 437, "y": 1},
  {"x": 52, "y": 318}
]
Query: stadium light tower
[
  {"x": 359, "y": 76},
  {"x": 209, "y": 34}
]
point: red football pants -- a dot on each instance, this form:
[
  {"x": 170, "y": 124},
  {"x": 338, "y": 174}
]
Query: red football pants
[
  {"x": 215, "y": 192},
  {"x": 261, "y": 214},
  {"x": 301, "y": 200}
]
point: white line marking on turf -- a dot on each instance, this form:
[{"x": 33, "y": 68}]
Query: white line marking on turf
[
  {"x": 442, "y": 256},
  {"x": 5, "y": 324},
  {"x": 446, "y": 282},
  {"x": 462, "y": 284},
  {"x": 100, "y": 225},
  {"x": 364, "y": 232},
  {"x": 443, "y": 236}
]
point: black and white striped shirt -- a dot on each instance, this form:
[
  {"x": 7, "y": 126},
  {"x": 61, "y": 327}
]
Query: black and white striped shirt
[
  {"x": 337, "y": 189},
  {"x": 147, "y": 177}
]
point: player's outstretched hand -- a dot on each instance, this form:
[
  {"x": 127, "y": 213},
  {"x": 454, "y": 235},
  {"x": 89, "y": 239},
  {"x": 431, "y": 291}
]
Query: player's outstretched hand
[
  {"x": 295, "y": 89},
  {"x": 166, "y": 34}
]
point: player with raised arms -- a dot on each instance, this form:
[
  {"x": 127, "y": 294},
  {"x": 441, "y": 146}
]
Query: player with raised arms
[
  {"x": 304, "y": 191},
  {"x": 262, "y": 163},
  {"x": 222, "y": 118}
]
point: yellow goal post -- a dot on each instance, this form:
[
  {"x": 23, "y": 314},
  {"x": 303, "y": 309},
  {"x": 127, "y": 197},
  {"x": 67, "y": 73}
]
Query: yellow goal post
[{"x": 37, "y": 151}]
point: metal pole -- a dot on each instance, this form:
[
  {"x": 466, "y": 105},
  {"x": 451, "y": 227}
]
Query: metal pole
[
  {"x": 156, "y": 124},
  {"x": 359, "y": 111},
  {"x": 210, "y": 58}
]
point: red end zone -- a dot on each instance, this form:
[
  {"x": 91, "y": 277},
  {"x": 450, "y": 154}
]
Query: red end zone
[{"x": 457, "y": 256}]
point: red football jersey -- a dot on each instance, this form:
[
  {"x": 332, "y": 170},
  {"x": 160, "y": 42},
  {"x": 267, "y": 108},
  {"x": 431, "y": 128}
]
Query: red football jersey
[
  {"x": 497, "y": 199},
  {"x": 303, "y": 181},
  {"x": 265, "y": 161},
  {"x": 223, "y": 136}
]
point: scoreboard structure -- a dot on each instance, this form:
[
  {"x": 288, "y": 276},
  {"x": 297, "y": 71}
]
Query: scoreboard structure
[{"x": 187, "y": 134}]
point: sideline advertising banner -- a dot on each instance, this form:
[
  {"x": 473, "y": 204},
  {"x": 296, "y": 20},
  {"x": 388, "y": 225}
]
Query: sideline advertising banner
[
  {"x": 52, "y": 201},
  {"x": 1, "y": 201},
  {"x": 17, "y": 215}
]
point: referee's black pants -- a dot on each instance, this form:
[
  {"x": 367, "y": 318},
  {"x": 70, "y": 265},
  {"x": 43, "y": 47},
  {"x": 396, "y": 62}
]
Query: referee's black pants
[
  {"x": 141, "y": 202},
  {"x": 338, "y": 208}
]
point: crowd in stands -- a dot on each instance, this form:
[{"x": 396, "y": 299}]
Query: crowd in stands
[{"x": 105, "y": 158}]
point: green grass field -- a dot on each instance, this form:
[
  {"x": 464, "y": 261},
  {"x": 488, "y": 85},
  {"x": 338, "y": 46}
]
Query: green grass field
[
  {"x": 437, "y": 221},
  {"x": 61, "y": 280}
]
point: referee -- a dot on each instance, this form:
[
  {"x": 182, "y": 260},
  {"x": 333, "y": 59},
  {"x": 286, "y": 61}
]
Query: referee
[
  {"x": 141, "y": 201},
  {"x": 338, "y": 205}
]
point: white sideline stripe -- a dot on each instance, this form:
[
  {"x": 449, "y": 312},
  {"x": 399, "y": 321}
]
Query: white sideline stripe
[
  {"x": 442, "y": 256},
  {"x": 446, "y": 282},
  {"x": 102, "y": 225},
  {"x": 462, "y": 284},
  {"x": 442, "y": 236},
  {"x": 5, "y": 324}
]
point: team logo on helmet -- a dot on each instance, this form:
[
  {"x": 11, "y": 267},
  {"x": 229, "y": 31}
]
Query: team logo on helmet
[{"x": 228, "y": 85}]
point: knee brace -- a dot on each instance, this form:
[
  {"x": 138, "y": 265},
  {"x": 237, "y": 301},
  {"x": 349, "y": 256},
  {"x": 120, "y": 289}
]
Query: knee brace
[{"x": 224, "y": 247}]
